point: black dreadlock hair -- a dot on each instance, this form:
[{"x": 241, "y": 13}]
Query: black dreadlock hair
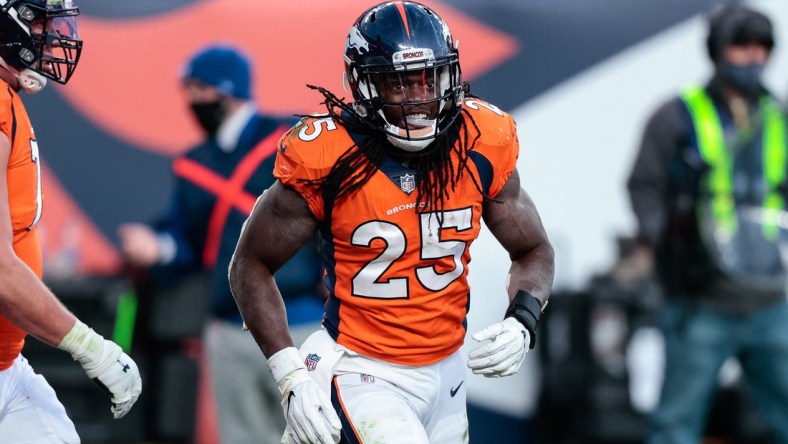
[{"x": 434, "y": 166}]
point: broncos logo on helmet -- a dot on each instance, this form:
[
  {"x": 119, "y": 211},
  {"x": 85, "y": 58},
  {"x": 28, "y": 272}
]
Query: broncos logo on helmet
[{"x": 356, "y": 41}]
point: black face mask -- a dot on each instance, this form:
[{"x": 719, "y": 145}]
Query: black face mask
[
  {"x": 209, "y": 115},
  {"x": 746, "y": 79}
]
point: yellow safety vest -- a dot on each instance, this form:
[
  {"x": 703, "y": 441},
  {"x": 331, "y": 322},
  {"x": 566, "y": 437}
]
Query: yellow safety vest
[{"x": 719, "y": 180}]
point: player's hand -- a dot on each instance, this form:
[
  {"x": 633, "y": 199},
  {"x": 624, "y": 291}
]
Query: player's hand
[
  {"x": 307, "y": 408},
  {"x": 504, "y": 354},
  {"x": 109, "y": 367},
  {"x": 117, "y": 374}
]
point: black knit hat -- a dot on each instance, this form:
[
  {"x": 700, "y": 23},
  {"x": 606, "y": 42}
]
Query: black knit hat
[{"x": 735, "y": 24}]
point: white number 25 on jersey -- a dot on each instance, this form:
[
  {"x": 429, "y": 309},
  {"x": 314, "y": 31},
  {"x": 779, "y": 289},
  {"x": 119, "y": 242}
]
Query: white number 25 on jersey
[{"x": 366, "y": 282}]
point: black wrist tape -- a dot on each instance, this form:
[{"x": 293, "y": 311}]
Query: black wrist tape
[{"x": 526, "y": 309}]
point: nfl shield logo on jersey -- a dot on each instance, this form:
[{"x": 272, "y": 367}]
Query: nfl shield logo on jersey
[
  {"x": 311, "y": 361},
  {"x": 407, "y": 182}
]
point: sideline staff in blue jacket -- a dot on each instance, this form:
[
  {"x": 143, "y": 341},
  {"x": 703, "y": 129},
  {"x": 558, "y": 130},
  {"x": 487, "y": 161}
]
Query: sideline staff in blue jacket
[{"x": 217, "y": 183}]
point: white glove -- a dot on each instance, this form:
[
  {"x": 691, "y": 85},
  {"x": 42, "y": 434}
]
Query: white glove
[
  {"x": 104, "y": 362},
  {"x": 307, "y": 408},
  {"x": 504, "y": 354}
]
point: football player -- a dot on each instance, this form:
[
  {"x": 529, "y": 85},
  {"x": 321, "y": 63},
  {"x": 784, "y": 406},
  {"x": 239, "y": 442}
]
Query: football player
[
  {"x": 397, "y": 184},
  {"x": 39, "y": 42}
]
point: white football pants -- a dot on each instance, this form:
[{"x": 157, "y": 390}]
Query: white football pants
[
  {"x": 30, "y": 412},
  {"x": 380, "y": 402}
]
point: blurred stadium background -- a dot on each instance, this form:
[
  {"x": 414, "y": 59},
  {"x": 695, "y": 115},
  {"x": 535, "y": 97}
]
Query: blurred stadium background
[{"x": 580, "y": 78}]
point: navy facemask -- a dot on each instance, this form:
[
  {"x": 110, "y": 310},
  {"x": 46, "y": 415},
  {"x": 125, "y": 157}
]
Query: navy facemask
[{"x": 746, "y": 78}]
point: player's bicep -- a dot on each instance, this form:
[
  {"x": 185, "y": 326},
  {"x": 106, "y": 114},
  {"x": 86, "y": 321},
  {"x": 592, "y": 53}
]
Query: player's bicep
[
  {"x": 513, "y": 219},
  {"x": 279, "y": 225}
]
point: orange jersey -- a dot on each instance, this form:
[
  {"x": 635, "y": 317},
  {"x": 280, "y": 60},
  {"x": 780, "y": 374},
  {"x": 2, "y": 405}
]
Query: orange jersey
[
  {"x": 397, "y": 280},
  {"x": 24, "y": 201}
]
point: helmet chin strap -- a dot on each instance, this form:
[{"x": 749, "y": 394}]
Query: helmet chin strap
[{"x": 28, "y": 80}]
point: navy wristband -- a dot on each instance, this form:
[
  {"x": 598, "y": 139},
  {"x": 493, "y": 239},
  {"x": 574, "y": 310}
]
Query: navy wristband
[{"x": 526, "y": 309}]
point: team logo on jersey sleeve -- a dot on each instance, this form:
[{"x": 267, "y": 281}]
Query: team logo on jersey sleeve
[{"x": 407, "y": 182}]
